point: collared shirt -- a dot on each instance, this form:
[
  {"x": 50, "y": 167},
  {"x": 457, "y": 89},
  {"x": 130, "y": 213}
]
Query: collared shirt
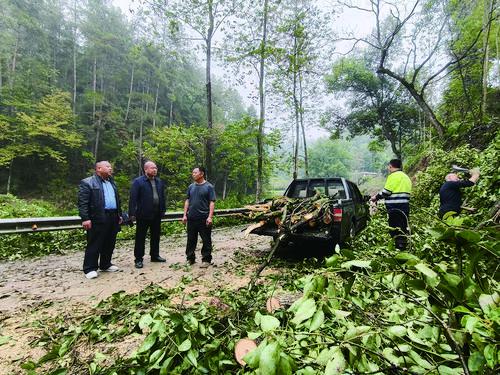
[
  {"x": 156, "y": 198},
  {"x": 109, "y": 195}
]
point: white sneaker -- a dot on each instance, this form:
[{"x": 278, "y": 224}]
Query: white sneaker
[
  {"x": 91, "y": 275},
  {"x": 111, "y": 268}
]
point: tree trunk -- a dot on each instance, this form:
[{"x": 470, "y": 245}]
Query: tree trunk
[
  {"x": 262, "y": 104},
  {"x": 99, "y": 122},
  {"x": 208, "y": 148},
  {"x": 74, "y": 58},
  {"x": 296, "y": 114},
  {"x": 9, "y": 178},
  {"x": 487, "y": 15},
  {"x": 94, "y": 85},
  {"x": 301, "y": 118},
  {"x": 13, "y": 74},
  {"x": 170, "y": 114},
  {"x": 156, "y": 104},
  {"x": 130, "y": 92},
  {"x": 141, "y": 124},
  {"x": 224, "y": 188},
  {"x": 13, "y": 66},
  {"x": 419, "y": 98}
]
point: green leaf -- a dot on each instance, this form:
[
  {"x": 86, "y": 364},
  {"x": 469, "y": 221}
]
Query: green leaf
[
  {"x": 396, "y": 331},
  {"x": 431, "y": 277},
  {"x": 337, "y": 364},
  {"x": 191, "y": 356},
  {"x": 333, "y": 261},
  {"x": 469, "y": 323},
  {"x": 388, "y": 354},
  {"x": 4, "y": 340},
  {"x": 269, "y": 358},
  {"x": 469, "y": 235},
  {"x": 445, "y": 370},
  {"x": 354, "y": 332},
  {"x": 165, "y": 365},
  {"x": 286, "y": 365},
  {"x": 254, "y": 335},
  {"x": 148, "y": 343},
  {"x": 156, "y": 357},
  {"x": 462, "y": 309},
  {"x": 185, "y": 346},
  {"x": 341, "y": 314},
  {"x": 304, "y": 311},
  {"x": 490, "y": 355},
  {"x": 317, "y": 320},
  {"x": 404, "y": 257},
  {"x": 252, "y": 358},
  {"x": 269, "y": 323},
  {"x": 451, "y": 279},
  {"x": 324, "y": 356},
  {"x": 419, "y": 360},
  {"x": 357, "y": 263},
  {"x": 476, "y": 361},
  {"x": 145, "y": 321}
]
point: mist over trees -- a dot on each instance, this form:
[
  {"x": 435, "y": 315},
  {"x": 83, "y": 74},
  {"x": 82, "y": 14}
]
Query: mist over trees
[{"x": 81, "y": 81}]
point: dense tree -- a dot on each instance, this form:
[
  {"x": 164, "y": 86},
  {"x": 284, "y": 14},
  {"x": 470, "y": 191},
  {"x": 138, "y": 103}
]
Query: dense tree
[{"x": 374, "y": 104}]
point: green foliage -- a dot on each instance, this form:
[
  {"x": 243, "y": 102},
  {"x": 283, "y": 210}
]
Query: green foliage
[
  {"x": 437, "y": 163},
  {"x": 19, "y": 246},
  {"x": 376, "y": 105},
  {"x": 45, "y": 132}
]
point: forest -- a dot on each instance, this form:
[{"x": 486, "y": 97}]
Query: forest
[{"x": 259, "y": 92}]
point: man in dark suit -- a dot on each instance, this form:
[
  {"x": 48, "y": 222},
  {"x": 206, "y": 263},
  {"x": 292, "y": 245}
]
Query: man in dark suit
[
  {"x": 147, "y": 206},
  {"x": 99, "y": 208}
]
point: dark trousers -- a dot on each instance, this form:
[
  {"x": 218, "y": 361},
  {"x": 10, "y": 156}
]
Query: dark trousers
[
  {"x": 195, "y": 227},
  {"x": 141, "y": 230},
  {"x": 398, "y": 221},
  {"x": 101, "y": 240}
]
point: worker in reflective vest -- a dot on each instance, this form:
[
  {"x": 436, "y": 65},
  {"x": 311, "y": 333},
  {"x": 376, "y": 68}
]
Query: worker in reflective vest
[{"x": 396, "y": 193}]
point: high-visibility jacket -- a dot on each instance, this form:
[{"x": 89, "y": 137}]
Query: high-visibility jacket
[{"x": 397, "y": 189}]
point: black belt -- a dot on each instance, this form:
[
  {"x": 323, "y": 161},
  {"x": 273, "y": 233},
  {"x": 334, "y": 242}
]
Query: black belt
[{"x": 110, "y": 212}]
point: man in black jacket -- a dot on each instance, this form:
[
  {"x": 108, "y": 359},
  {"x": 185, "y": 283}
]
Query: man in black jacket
[
  {"x": 147, "y": 205},
  {"x": 450, "y": 196},
  {"x": 99, "y": 208}
]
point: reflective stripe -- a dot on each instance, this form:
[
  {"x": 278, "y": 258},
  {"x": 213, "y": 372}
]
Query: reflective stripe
[
  {"x": 386, "y": 192},
  {"x": 389, "y": 201},
  {"x": 400, "y": 195}
]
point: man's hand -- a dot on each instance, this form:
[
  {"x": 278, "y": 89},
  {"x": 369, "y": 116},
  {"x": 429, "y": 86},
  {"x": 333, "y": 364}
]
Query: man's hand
[
  {"x": 373, "y": 198},
  {"x": 131, "y": 218},
  {"x": 184, "y": 219},
  {"x": 87, "y": 224},
  {"x": 209, "y": 221},
  {"x": 120, "y": 220}
]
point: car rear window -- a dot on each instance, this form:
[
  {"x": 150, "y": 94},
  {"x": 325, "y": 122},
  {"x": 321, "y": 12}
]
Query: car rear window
[
  {"x": 336, "y": 189},
  {"x": 308, "y": 188}
]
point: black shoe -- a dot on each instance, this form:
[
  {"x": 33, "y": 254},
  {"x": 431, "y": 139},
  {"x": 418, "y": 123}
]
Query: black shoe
[
  {"x": 139, "y": 264},
  {"x": 191, "y": 261},
  {"x": 158, "y": 259}
]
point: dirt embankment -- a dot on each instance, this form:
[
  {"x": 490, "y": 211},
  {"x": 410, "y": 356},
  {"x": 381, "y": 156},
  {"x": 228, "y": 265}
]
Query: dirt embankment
[{"x": 34, "y": 289}]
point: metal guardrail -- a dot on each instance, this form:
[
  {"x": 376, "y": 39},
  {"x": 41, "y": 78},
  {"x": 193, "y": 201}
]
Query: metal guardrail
[{"x": 47, "y": 224}]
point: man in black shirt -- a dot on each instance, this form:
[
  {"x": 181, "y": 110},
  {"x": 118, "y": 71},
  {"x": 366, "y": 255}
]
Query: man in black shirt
[
  {"x": 450, "y": 195},
  {"x": 198, "y": 215}
]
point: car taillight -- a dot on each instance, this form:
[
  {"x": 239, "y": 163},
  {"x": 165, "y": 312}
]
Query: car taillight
[{"x": 337, "y": 215}]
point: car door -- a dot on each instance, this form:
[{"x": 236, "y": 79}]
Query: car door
[{"x": 360, "y": 208}]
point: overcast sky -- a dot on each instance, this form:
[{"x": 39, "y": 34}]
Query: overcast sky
[{"x": 347, "y": 21}]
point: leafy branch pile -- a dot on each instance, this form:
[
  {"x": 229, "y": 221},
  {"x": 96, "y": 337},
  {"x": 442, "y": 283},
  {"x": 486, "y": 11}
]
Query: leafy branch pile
[
  {"x": 369, "y": 309},
  {"x": 290, "y": 214}
]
